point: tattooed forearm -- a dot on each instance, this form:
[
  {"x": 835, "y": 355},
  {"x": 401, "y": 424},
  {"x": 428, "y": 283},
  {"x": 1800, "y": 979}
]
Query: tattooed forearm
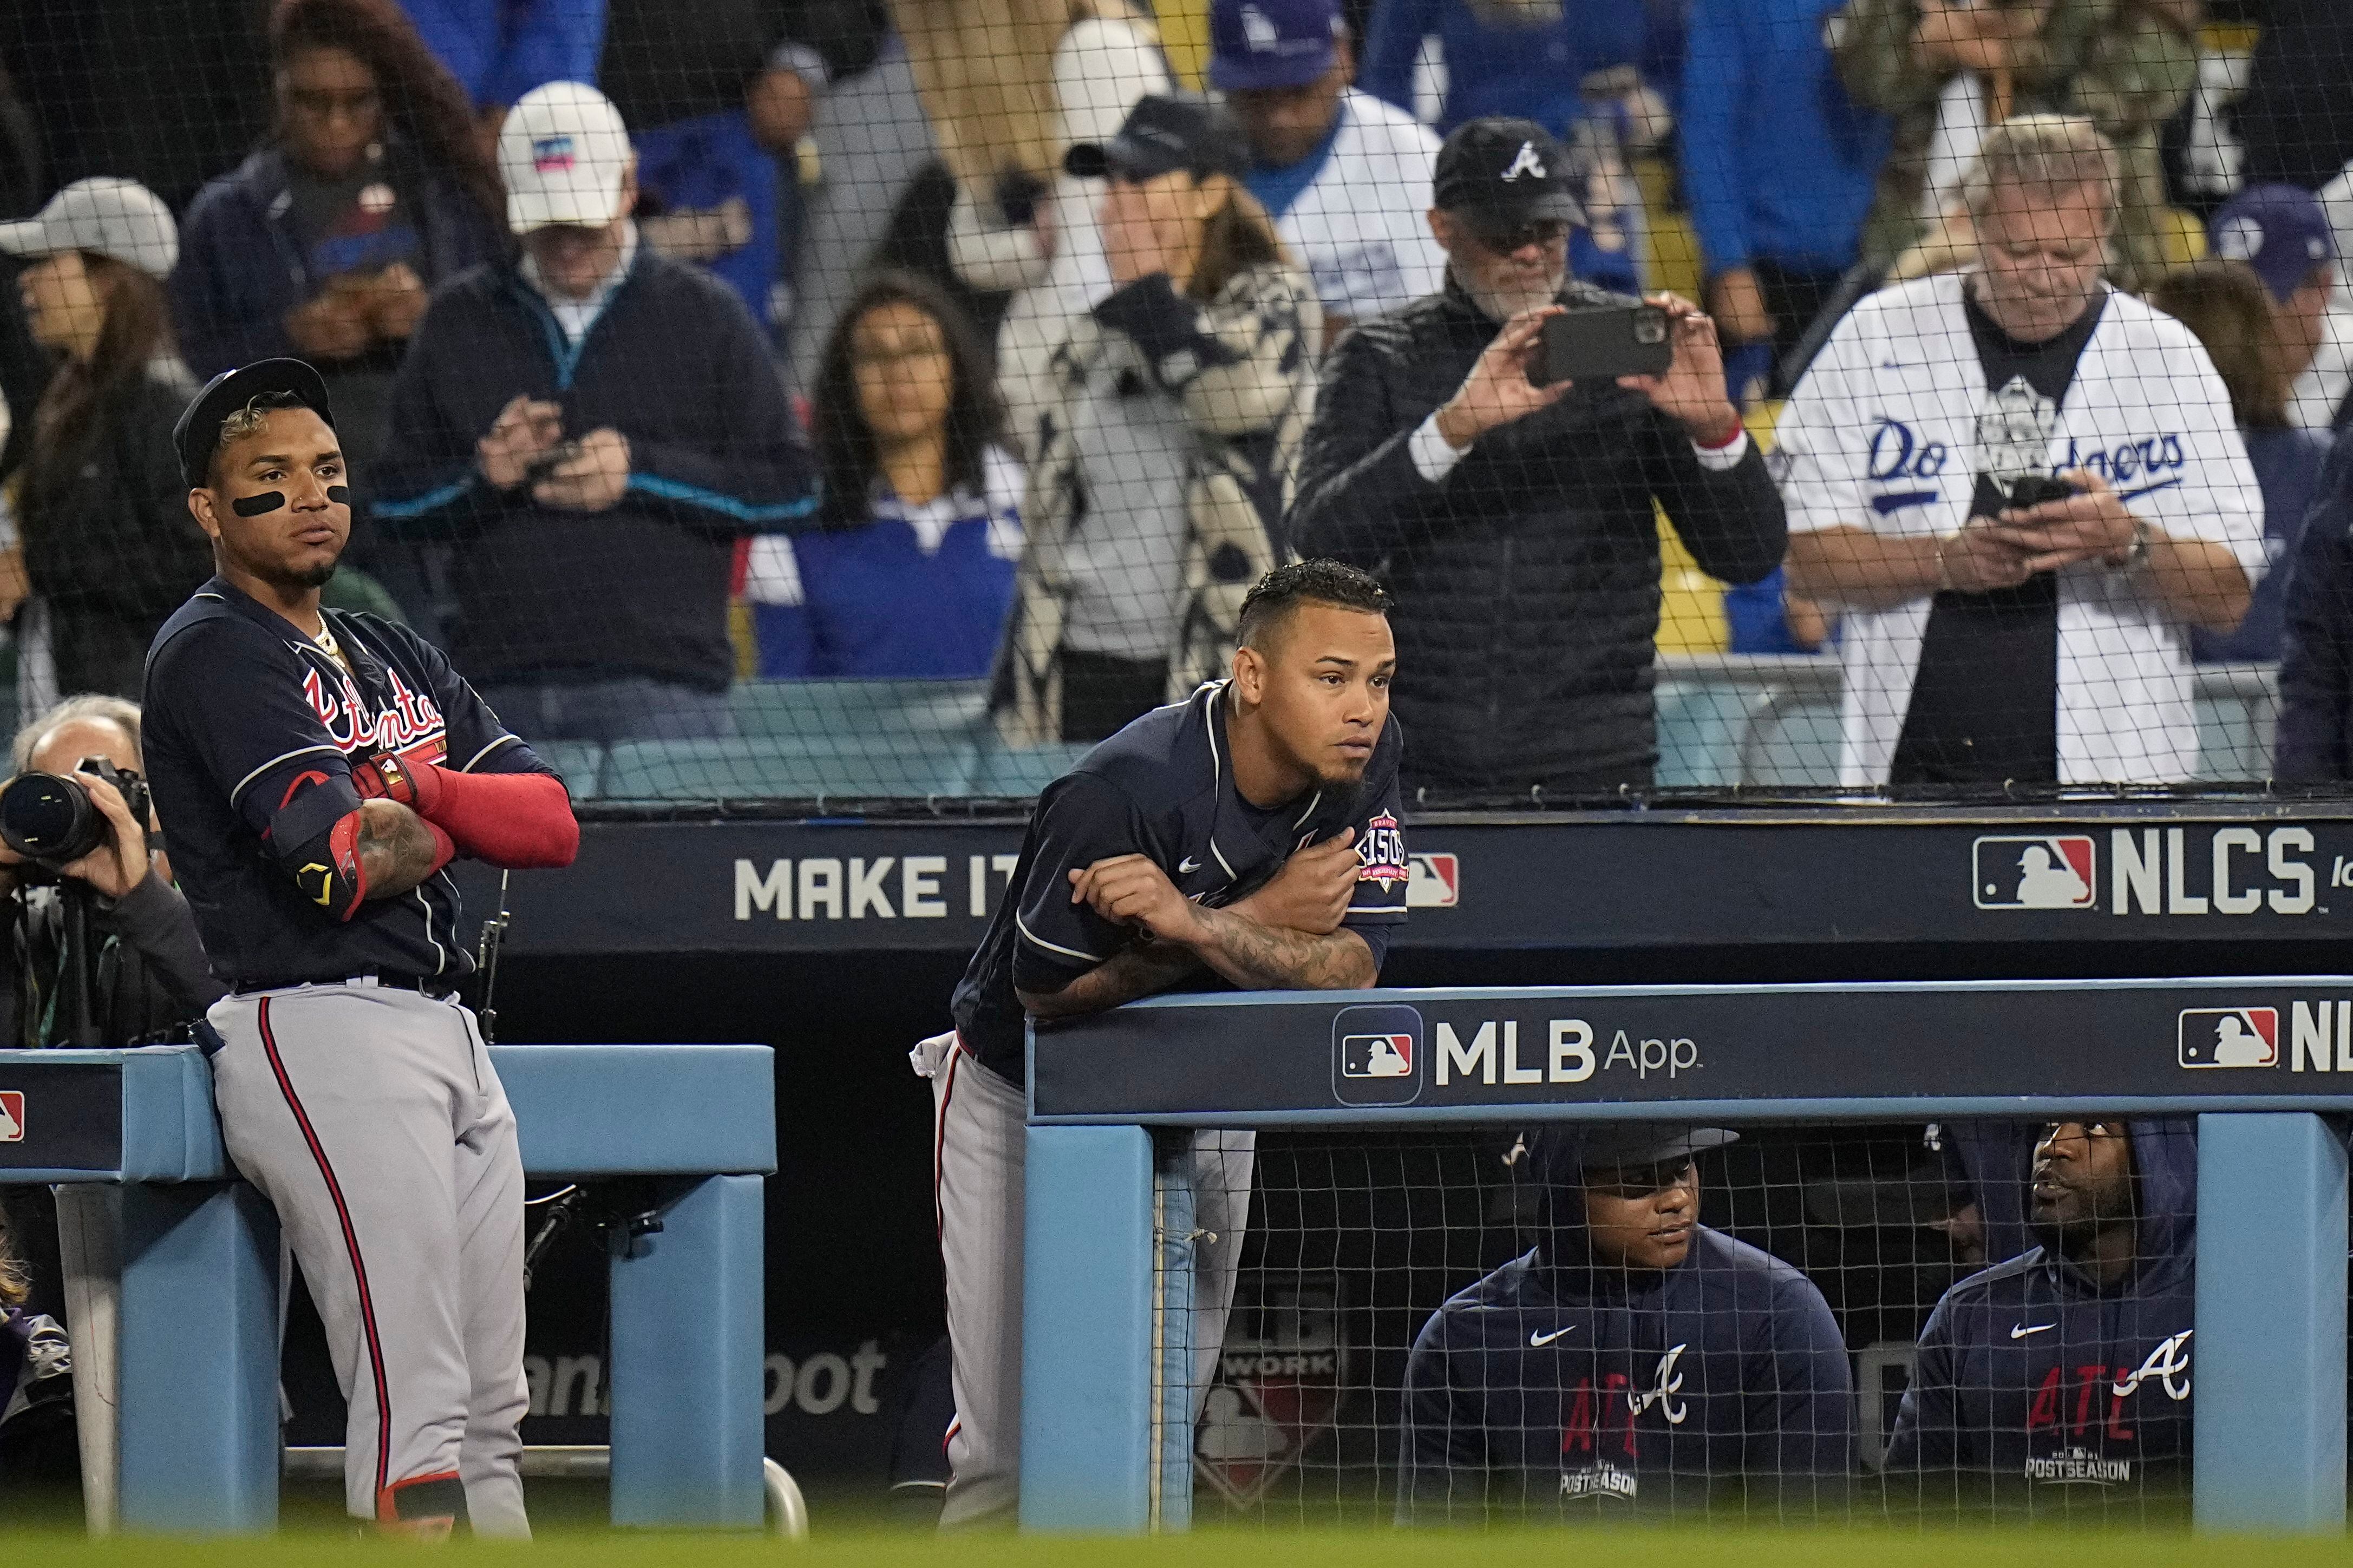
[
  {"x": 396, "y": 849},
  {"x": 1273, "y": 958},
  {"x": 1123, "y": 977}
]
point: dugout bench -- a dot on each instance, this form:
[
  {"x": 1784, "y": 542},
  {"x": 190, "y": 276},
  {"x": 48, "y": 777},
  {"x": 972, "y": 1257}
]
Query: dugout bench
[
  {"x": 1107, "y": 1243},
  {"x": 195, "y": 1295}
]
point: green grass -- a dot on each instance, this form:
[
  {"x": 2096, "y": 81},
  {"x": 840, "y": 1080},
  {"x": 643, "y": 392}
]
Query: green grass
[{"x": 1237, "y": 1548}]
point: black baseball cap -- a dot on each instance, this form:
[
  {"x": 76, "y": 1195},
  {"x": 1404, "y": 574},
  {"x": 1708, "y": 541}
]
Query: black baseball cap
[
  {"x": 1497, "y": 170},
  {"x": 1557, "y": 1155},
  {"x": 1164, "y": 133},
  {"x": 197, "y": 435}
]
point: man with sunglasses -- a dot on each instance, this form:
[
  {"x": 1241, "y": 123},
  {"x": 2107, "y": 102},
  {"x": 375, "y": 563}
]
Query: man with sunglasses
[
  {"x": 1634, "y": 1359},
  {"x": 2068, "y": 1366},
  {"x": 1515, "y": 522}
]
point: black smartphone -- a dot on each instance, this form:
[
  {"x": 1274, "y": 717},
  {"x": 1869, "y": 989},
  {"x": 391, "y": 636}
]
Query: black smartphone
[
  {"x": 2036, "y": 488},
  {"x": 547, "y": 462},
  {"x": 1603, "y": 345}
]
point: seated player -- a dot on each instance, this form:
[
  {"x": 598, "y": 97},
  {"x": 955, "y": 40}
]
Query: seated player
[
  {"x": 1634, "y": 1356},
  {"x": 2069, "y": 1365}
]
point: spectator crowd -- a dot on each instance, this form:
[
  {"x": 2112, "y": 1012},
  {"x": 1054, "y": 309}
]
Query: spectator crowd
[{"x": 672, "y": 351}]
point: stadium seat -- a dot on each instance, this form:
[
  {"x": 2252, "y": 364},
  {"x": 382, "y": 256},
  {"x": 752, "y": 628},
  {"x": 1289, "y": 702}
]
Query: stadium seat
[
  {"x": 1699, "y": 734},
  {"x": 581, "y": 764},
  {"x": 2238, "y": 712},
  {"x": 1023, "y": 770},
  {"x": 1791, "y": 739},
  {"x": 927, "y": 711},
  {"x": 754, "y": 768}
]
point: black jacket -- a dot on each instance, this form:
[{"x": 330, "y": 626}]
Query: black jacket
[
  {"x": 674, "y": 363},
  {"x": 110, "y": 546},
  {"x": 1527, "y": 579},
  {"x": 150, "y": 980}
]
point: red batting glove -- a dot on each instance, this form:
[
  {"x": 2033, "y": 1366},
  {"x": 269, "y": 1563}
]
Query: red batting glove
[{"x": 388, "y": 777}]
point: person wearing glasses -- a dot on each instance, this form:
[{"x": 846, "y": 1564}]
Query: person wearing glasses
[
  {"x": 1515, "y": 522},
  {"x": 2068, "y": 1365},
  {"x": 1635, "y": 1359}
]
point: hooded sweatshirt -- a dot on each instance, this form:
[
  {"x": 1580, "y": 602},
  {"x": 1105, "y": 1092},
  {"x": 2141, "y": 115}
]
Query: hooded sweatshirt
[
  {"x": 1568, "y": 1384},
  {"x": 2031, "y": 1369}
]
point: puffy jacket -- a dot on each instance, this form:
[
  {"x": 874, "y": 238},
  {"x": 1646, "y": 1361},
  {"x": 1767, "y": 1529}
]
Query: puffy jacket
[
  {"x": 2035, "y": 1372},
  {"x": 1570, "y": 1381},
  {"x": 1527, "y": 579}
]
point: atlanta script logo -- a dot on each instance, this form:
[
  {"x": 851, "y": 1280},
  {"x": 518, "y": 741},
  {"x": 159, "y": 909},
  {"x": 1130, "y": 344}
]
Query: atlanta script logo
[{"x": 412, "y": 718}]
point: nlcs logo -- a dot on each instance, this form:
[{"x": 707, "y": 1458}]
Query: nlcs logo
[
  {"x": 1376, "y": 1055},
  {"x": 2228, "y": 1038},
  {"x": 2057, "y": 872}
]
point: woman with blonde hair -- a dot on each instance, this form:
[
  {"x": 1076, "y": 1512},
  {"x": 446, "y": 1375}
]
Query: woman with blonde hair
[{"x": 1162, "y": 440}]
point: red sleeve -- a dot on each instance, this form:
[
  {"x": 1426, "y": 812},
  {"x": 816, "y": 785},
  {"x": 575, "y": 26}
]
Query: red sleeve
[{"x": 521, "y": 822}]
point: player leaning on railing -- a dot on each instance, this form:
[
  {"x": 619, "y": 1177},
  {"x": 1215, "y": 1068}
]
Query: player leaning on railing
[{"x": 1248, "y": 837}]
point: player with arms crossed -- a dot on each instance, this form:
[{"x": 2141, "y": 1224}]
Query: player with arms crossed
[
  {"x": 319, "y": 770},
  {"x": 1247, "y": 838}
]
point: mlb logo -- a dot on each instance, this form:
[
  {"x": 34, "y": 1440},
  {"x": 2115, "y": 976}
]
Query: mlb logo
[
  {"x": 12, "y": 1116},
  {"x": 2228, "y": 1038},
  {"x": 1376, "y": 1055},
  {"x": 551, "y": 155},
  {"x": 1434, "y": 882},
  {"x": 2059, "y": 871}
]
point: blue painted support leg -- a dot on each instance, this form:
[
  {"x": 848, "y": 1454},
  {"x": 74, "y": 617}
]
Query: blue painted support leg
[
  {"x": 198, "y": 1379},
  {"x": 1177, "y": 1284},
  {"x": 2270, "y": 1356},
  {"x": 1086, "y": 1332},
  {"x": 688, "y": 1372}
]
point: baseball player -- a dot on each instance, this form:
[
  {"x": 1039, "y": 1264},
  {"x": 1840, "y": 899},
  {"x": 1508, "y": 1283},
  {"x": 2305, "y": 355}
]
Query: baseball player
[
  {"x": 319, "y": 770},
  {"x": 2069, "y": 1365},
  {"x": 1247, "y": 837},
  {"x": 1632, "y": 1358}
]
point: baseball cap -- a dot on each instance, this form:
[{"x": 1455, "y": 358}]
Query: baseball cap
[
  {"x": 198, "y": 433},
  {"x": 1259, "y": 44},
  {"x": 2280, "y": 231},
  {"x": 121, "y": 219},
  {"x": 563, "y": 152},
  {"x": 1163, "y": 133},
  {"x": 1505, "y": 171},
  {"x": 1557, "y": 1155}
]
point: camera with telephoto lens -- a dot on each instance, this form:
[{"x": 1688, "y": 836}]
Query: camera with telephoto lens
[{"x": 51, "y": 819}]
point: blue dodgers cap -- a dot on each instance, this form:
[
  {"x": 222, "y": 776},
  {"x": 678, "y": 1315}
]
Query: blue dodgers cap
[
  {"x": 2281, "y": 231},
  {"x": 1255, "y": 45}
]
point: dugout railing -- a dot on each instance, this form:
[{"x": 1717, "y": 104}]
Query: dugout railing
[{"x": 1107, "y": 1439}]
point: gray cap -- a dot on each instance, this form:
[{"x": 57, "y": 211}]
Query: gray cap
[{"x": 120, "y": 219}]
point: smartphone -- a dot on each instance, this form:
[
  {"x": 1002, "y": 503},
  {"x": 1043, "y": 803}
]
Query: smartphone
[
  {"x": 547, "y": 462},
  {"x": 1603, "y": 345},
  {"x": 2036, "y": 488}
]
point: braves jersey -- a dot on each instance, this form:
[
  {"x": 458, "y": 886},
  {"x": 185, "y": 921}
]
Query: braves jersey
[
  {"x": 1163, "y": 787},
  {"x": 250, "y": 732},
  {"x": 1543, "y": 1387},
  {"x": 2033, "y": 1371},
  {"x": 1888, "y": 432}
]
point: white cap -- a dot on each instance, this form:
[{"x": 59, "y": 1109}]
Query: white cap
[
  {"x": 121, "y": 219},
  {"x": 562, "y": 152}
]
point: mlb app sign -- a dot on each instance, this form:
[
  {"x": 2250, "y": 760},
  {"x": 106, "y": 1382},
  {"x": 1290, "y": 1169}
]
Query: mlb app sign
[
  {"x": 2228, "y": 1038},
  {"x": 1377, "y": 1057},
  {"x": 2057, "y": 871}
]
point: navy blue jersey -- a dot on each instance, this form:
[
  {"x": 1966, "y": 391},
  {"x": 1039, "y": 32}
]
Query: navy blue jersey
[
  {"x": 2032, "y": 1371},
  {"x": 250, "y": 729},
  {"x": 1543, "y": 1387},
  {"x": 1164, "y": 786}
]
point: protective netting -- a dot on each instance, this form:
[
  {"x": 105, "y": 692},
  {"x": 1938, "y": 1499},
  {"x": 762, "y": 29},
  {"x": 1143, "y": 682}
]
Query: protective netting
[
  {"x": 758, "y": 404},
  {"x": 1488, "y": 1327}
]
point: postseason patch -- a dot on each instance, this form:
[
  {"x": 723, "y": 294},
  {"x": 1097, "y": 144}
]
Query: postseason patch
[
  {"x": 2078, "y": 1467},
  {"x": 1381, "y": 852},
  {"x": 1601, "y": 1480}
]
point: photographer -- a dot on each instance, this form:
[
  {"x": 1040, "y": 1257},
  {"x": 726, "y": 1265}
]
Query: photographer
[{"x": 149, "y": 978}]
